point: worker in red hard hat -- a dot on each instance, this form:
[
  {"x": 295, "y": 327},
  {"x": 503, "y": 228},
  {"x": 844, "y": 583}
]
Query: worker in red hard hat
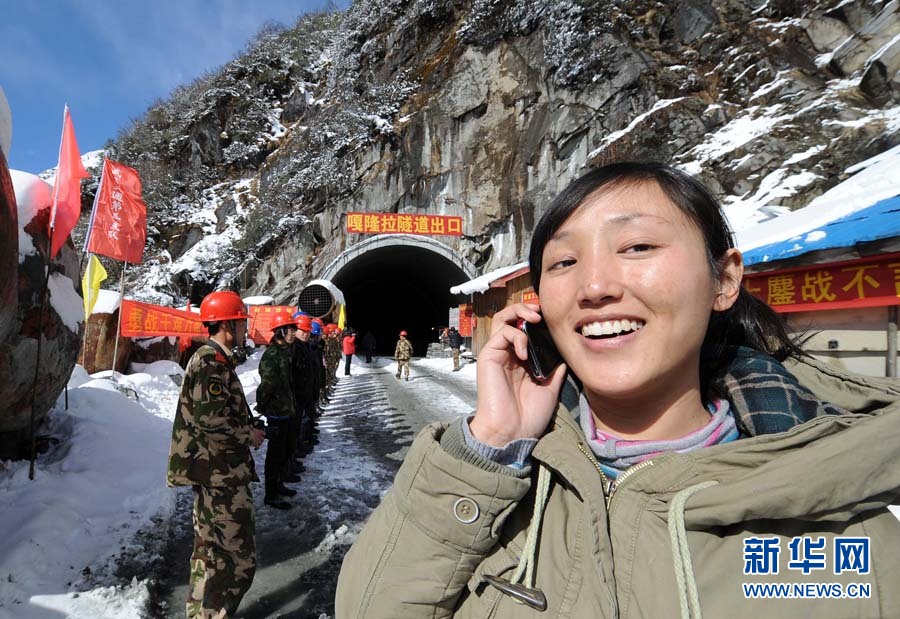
[
  {"x": 275, "y": 400},
  {"x": 304, "y": 390},
  {"x": 212, "y": 434},
  {"x": 402, "y": 354}
]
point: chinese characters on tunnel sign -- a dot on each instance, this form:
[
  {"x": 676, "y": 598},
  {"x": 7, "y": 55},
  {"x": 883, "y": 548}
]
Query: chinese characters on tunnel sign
[
  {"x": 395, "y": 223},
  {"x": 870, "y": 282}
]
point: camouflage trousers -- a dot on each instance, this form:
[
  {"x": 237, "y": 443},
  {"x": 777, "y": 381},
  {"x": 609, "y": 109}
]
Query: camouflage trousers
[
  {"x": 455, "y": 352},
  {"x": 224, "y": 559},
  {"x": 403, "y": 365}
]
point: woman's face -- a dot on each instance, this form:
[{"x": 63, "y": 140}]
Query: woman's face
[{"x": 627, "y": 291}]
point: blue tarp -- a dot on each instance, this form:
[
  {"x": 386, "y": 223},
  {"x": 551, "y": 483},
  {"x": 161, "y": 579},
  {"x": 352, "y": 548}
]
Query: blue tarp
[{"x": 879, "y": 221}]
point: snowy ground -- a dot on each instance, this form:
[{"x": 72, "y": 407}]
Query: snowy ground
[{"x": 91, "y": 515}]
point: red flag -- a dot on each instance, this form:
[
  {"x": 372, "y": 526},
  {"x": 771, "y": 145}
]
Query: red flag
[
  {"x": 66, "y": 207},
  {"x": 119, "y": 222}
]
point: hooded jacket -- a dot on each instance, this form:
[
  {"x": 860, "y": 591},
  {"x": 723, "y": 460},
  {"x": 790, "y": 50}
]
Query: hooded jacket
[{"x": 676, "y": 534}]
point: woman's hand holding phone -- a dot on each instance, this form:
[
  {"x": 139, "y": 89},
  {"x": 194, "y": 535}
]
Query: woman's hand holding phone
[{"x": 511, "y": 404}]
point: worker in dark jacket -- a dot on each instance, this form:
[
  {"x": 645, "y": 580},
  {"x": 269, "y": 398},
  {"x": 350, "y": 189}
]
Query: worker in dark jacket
[
  {"x": 275, "y": 400},
  {"x": 456, "y": 341}
]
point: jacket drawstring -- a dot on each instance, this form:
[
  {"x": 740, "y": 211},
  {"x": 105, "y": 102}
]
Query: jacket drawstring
[
  {"x": 521, "y": 585},
  {"x": 528, "y": 558},
  {"x": 681, "y": 553}
]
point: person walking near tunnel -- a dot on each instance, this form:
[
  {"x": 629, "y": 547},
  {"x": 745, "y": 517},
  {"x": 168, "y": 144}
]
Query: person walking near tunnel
[
  {"x": 212, "y": 434},
  {"x": 368, "y": 345},
  {"x": 349, "y": 346},
  {"x": 455, "y": 340},
  {"x": 402, "y": 354},
  {"x": 275, "y": 400}
]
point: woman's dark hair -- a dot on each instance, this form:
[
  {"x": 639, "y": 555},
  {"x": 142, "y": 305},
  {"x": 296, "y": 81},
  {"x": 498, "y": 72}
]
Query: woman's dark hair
[{"x": 749, "y": 322}]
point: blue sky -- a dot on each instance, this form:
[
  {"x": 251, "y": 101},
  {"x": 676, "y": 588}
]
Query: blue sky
[{"x": 109, "y": 60}]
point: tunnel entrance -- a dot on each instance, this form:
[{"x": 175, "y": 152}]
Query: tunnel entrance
[{"x": 396, "y": 283}]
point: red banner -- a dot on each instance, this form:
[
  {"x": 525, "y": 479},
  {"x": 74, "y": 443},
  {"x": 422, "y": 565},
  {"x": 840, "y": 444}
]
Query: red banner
[
  {"x": 260, "y": 330},
  {"x": 395, "y": 223},
  {"x": 118, "y": 227},
  {"x": 146, "y": 320},
  {"x": 465, "y": 319},
  {"x": 870, "y": 282}
]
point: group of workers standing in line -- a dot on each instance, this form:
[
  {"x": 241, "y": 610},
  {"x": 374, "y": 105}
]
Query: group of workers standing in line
[
  {"x": 214, "y": 430},
  {"x": 296, "y": 375}
]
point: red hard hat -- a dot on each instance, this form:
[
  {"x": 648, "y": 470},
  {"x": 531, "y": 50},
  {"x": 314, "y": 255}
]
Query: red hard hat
[
  {"x": 319, "y": 320},
  {"x": 332, "y": 328},
  {"x": 403, "y": 333},
  {"x": 304, "y": 323},
  {"x": 222, "y": 305},
  {"x": 281, "y": 319}
]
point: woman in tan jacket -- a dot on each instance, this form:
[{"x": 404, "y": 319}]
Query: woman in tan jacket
[{"x": 671, "y": 467}]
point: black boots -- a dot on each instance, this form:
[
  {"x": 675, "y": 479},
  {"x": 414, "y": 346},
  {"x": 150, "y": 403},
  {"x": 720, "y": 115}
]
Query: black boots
[
  {"x": 277, "y": 503},
  {"x": 285, "y": 491}
]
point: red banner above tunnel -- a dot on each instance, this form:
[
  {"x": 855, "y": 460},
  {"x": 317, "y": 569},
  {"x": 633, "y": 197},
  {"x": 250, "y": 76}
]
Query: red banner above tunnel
[{"x": 396, "y": 223}]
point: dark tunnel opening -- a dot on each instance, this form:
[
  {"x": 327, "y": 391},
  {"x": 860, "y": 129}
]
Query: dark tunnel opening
[{"x": 399, "y": 287}]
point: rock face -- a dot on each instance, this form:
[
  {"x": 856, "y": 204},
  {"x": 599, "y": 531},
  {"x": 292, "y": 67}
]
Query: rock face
[
  {"x": 60, "y": 329},
  {"x": 485, "y": 109}
]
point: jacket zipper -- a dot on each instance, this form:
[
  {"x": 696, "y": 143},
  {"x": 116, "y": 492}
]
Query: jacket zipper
[{"x": 611, "y": 485}]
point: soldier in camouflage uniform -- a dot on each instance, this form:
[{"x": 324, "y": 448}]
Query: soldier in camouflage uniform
[
  {"x": 402, "y": 354},
  {"x": 275, "y": 400},
  {"x": 212, "y": 434}
]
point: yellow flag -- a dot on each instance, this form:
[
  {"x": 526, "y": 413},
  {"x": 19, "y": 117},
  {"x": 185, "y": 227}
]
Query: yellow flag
[
  {"x": 342, "y": 318},
  {"x": 90, "y": 284}
]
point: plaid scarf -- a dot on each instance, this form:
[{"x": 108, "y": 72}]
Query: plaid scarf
[{"x": 765, "y": 397}]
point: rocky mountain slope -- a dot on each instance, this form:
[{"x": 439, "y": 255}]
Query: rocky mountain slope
[{"x": 485, "y": 109}]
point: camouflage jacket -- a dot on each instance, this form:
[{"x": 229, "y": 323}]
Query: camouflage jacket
[
  {"x": 211, "y": 434},
  {"x": 403, "y": 351},
  {"x": 275, "y": 395},
  {"x": 332, "y": 351}
]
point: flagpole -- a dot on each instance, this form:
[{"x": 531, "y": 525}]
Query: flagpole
[
  {"x": 40, "y": 331},
  {"x": 119, "y": 327},
  {"x": 84, "y": 337},
  {"x": 90, "y": 228}
]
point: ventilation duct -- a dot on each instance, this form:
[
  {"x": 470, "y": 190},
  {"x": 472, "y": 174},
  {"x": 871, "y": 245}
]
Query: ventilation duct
[{"x": 321, "y": 299}]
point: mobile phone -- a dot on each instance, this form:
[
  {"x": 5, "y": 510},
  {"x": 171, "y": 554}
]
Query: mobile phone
[{"x": 543, "y": 357}]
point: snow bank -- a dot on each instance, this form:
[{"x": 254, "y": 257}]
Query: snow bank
[{"x": 91, "y": 493}]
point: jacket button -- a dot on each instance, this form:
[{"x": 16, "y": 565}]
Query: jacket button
[{"x": 466, "y": 510}]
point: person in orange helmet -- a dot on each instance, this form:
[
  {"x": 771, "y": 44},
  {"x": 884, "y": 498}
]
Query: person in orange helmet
[
  {"x": 212, "y": 434},
  {"x": 275, "y": 400}
]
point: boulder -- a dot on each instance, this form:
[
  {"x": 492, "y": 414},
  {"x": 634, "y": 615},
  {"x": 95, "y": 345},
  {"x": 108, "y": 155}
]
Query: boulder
[
  {"x": 60, "y": 328},
  {"x": 151, "y": 349},
  {"x": 100, "y": 344}
]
